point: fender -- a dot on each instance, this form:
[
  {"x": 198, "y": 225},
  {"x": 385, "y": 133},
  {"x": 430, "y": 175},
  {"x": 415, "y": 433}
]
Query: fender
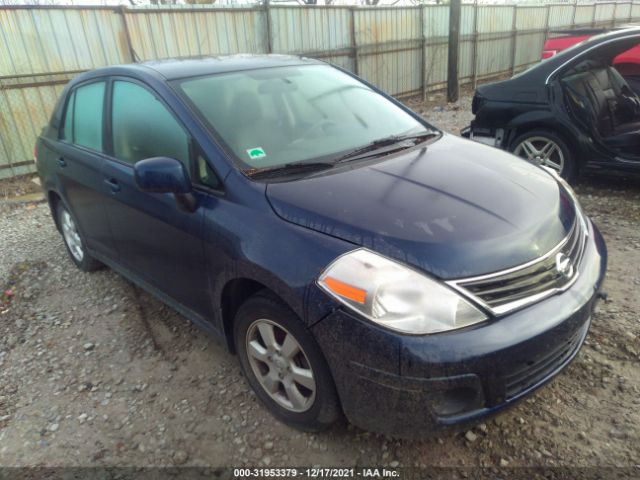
[
  {"x": 279, "y": 260},
  {"x": 293, "y": 283},
  {"x": 545, "y": 120}
]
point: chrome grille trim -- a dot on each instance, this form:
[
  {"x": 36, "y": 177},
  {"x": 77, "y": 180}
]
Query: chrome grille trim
[{"x": 508, "y": 290}]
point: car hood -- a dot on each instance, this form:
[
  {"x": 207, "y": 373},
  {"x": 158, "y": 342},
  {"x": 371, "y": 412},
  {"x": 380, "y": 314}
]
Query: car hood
[{"x": 454, "y": 208}]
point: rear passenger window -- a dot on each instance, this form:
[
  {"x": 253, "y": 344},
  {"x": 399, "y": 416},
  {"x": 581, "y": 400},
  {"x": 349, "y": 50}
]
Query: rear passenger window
[
  {"x": 143, "y": 127},
  {"x": 83, "y": 117}
]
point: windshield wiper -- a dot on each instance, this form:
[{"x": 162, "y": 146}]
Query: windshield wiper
[
  {"x": 370, "y": 148},
  {"x": 288, "y": 169},
  {"x": 296, "y": 168}
]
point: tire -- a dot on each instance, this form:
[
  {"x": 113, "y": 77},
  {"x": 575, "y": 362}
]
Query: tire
[
  {"x": 561, "y": 159},
  {"x": 73, "y": 240},
  {"x": 315, "y": 406}
]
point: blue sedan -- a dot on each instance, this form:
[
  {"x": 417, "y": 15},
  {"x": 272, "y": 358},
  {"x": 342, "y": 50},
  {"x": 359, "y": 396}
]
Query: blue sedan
[{"x": 357, "y": 260}]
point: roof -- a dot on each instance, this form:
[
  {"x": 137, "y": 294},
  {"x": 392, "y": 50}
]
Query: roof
[
  {"x": 533, "y": 82},
  {"x": 172, "y": 69},
  {"x": 543, "y": 69},
  {"x": 592, "y": 31}
]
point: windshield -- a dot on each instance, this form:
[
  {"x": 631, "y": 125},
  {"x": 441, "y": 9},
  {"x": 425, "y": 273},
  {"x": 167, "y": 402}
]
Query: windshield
[{"x": 277, "y": 116}]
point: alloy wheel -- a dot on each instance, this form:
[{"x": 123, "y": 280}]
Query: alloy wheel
[
  {"x": 541, "y": 151},
  {"x": 280, "y": 365},
  {"x": 71, "y": 236}
]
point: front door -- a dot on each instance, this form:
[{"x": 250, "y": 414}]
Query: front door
[{"x": 155, "y": 239}]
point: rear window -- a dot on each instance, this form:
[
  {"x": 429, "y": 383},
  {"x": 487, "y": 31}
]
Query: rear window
[{"x": 83, "y": 116}]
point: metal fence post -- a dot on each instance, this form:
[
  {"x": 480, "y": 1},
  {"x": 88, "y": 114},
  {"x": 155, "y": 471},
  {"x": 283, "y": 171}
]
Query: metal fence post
[
  {"x": 615, "y": 14},
  {"x": 454, "y": 51},
  {"x": 573, "y": 17},
  {"x": 127, "y": 34},
  {"x": 354, "y": 41},
  {"x": 267, "y": 20},
  {"x": 423, "y": 39},
  {"x": 546, "y": 23},
  {"x": 6, "y": 137},
  {"x": 514, "y": 39},
  {"x": 474, "y": 52},
  {"x": 593, "y": 17}
]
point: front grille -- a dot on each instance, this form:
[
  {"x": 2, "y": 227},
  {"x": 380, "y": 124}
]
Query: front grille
[
  {"x": 532, "y": 373},
  {"x": 505, "y": 291}
]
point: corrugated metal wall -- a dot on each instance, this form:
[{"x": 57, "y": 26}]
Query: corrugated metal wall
[
  {"x": 324, "y": 33},
  {"x": 389, "y": 50},
  {"x": 40, "y": 50},
  {"x": 531, "y": 24},
  {"x": 179, "y": 33},
  {"x": 403, "y": 50}
]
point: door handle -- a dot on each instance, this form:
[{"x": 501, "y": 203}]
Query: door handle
[
  {"x": 62, "y": 162},
  {"x": 113, "y": 184}
]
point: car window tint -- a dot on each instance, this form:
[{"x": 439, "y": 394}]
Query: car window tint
[
  {"x": 143, "y": 127},
  {"x": 87, "y": 116},
  {"x": 67, "y": 128}
]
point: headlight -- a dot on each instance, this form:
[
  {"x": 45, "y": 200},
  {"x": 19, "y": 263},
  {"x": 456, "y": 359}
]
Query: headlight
[{"x": 395, "y": 296}]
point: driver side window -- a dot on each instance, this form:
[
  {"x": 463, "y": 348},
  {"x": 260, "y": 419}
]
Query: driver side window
[{"x": 143, "y": 127}]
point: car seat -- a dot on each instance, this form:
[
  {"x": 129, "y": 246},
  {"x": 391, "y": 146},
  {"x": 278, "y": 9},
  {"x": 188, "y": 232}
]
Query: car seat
[{"x": 601, "y": 96}]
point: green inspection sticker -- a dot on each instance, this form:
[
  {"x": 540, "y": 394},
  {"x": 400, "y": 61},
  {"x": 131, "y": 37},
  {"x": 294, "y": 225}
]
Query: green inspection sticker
[{"x": 256, "y": 153}]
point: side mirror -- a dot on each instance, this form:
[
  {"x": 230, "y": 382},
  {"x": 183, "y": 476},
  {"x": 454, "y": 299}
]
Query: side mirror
[
  {"x": 162, "y": 175},
  {"x": 165, "y": 175}
]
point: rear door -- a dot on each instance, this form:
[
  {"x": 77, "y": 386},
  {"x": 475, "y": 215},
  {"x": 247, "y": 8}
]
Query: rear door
[
  {"x": 78, "y": 162},
  {"x": 157, "y": 241}
]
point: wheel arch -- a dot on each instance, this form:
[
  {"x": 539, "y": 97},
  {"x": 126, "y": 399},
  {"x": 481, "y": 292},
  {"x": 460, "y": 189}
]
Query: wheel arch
[
  {"x": 233, "y": 294},
  {"x": 292, "y": 284},
  {"x": 53, "y": 199},
  {"x": 525, "y": 123}
]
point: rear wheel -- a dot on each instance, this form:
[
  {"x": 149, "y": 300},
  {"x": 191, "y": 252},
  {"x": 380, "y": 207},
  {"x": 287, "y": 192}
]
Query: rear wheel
[
  {"x": 73, "y": 240},
  {"x": 284, "y": 364},
  {"x": 545, "y": 148}
]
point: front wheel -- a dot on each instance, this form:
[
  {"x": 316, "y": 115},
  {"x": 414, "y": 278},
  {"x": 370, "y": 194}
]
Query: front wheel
[
  {"x": 284, "y": 365},
  {"x": 545, "y": 148}
]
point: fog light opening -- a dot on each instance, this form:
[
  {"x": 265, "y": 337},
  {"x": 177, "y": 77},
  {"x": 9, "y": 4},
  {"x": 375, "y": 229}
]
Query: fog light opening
[{"x": 456, "y": 401}]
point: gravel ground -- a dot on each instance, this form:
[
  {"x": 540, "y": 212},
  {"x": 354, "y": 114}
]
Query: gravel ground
[{"x": 95, "y": 372}]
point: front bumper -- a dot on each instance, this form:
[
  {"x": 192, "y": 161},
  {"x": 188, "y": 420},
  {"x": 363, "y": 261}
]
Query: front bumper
[
  {"x": 410, "y": 385},
  {"x": 491, "y": 137}
]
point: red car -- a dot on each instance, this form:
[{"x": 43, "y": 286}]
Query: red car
[{"x": 627, "y": 63}]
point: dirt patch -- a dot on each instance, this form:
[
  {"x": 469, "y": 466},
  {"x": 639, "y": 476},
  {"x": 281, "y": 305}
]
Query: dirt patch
[{"x": 18, "y": 186}]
